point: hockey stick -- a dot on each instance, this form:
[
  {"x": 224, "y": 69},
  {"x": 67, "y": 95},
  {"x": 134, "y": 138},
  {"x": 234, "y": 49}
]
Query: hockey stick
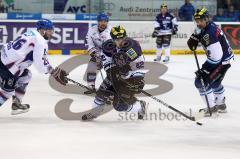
[
  {"x": 202, "y": 83},
  {"x": 171, "y": 107},
  {"x": 144, "y": 92},
  {"x": 192, "y": 118},
  {"x": 94, "y": 112},
  {"x": 100, "y": 70},
  {"x": 79, "y": 84}
]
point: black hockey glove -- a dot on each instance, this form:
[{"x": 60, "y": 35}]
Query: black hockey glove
[
  {"x": 174, "y": 30},
  {"x": 155, "y": 34},
  {"x": 60, "y": 75},
  {"x": 193, "y": 42},
  {"x": 204, "y": 74},
  {"x": 93, "y": 52},
  {"x": 135, "y": 84},
  {"x": 122, "y": 62}
]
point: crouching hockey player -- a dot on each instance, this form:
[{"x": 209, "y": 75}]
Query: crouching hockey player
[
  {"x": 122, "y": 60},
  {"x": 165, "y": 26},
  {"x": 219, "y": 58},
  {"x": 16, "y": 56},
  {"x": 95, "y": 38}
]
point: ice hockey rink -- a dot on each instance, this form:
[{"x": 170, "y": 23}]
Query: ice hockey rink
[{"x": 40, "y": 134}]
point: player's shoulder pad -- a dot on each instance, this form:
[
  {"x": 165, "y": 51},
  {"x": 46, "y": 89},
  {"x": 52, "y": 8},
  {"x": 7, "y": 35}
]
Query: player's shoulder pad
[
  {"x": 170, "y": 15},
  {"x": 109, "y": 28},
  {"x": 158, "y": 16},
  {"x": 109, "y": 48},
  {"x": 212, "y": 33},
  {"x": 39, "y": 39},
  {"x": 29, "y": 33},
  {"x": 132, "y": 48},
  {"x": 211, "y": 28},
  {"x": 92, "y": 29}
]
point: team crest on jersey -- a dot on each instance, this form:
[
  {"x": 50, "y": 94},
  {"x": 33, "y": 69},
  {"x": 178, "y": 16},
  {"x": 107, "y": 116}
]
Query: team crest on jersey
[
  {"x": 132, "y": 53},
  {"x": 206, "y": 39}
]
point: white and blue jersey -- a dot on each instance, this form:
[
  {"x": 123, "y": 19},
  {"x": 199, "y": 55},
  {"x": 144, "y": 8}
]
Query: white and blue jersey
[
  {"x": 216, "y": 46},
  {"x": 29, "y": 48},
  {"x": 165, "y": 23}
]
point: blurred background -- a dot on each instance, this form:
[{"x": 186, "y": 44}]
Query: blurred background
[
  {"x": 136, "y": 15},
  {"x": 221, "y": 10}
]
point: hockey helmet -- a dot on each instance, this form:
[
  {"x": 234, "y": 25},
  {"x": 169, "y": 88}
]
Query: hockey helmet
[
  {"x": 201, "y": 14},
  {"x": 118, "y": 32},
  {"x": 44, "y": 24},
  {"x": 102, "y": 17},
  {"x": 164, "y": 5}
]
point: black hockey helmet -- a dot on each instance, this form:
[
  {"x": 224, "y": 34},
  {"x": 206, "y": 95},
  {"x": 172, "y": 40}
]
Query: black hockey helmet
[
  {"x": 201, "y": 14},
  {"x": 118, "y": 32}
]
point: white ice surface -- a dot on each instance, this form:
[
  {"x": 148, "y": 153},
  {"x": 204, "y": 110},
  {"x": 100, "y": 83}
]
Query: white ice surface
[{"x": 40, "y": 134}]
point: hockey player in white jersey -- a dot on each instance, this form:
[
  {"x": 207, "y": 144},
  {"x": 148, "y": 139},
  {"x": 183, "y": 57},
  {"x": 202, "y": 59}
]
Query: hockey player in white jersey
[
  {"x": 165, "y": 26},
  {"x": 95, "y": 38},
  {"x": 219, "y": 58},
  {"x": 16, "y": 56}
]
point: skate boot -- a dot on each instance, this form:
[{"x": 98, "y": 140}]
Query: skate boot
[
  {"x": 142, "y": 113},
  {"x": 206, "y": 112},
  {"x": 222, "y": 108},
  {"x": 157, "y": 59},
  {"x": 93, "y": 90},
  {"x": 18, "y": 108},
  {"x": 167, "y": 59}
]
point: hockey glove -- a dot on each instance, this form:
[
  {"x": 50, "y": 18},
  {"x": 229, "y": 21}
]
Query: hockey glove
[
  {"x": 155, "y": 33},
  {"x": 135, "y": 84},
  {"x": 60, "y": 75},
  {"x": 174, "y": 30},
  {"x": 121, "y": 61},
  {"x": 193, "y": 42},
  {"x": 204, "y": 74},
  {"x": 93, "y": 52}
]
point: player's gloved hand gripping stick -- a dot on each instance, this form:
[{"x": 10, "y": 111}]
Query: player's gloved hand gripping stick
[{"x": 192, "y": 44}]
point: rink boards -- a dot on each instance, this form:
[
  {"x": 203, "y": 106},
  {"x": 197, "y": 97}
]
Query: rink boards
[{"x": 69, "y": 37}]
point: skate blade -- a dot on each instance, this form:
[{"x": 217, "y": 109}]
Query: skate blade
[
  {"x": 16, "y": 112},
  {"x": 94, "y": 113},
  {"x": 222, "y": 111},
  {"x": 214, "y": 115},
  {"x": 87, "y": 93},
  {"x": 165, "y": 62},
  {"x": 201, "y": 115}
]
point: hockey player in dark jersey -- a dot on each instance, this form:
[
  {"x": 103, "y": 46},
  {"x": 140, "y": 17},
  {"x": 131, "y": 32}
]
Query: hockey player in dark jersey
[
  {"x": 219, "y": 58},
  {"x": 122, "y": 60},
  {"x": 165, "y": 26}
]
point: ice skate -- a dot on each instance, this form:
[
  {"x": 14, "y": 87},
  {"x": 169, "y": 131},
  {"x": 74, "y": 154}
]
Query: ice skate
[
  {"x": 18, "y": 108},
  {"x": 222, "y": 108},
  {"x": 158, "y": 59},
  {"x": 214, "y": 110},
  {"x": 142, "y": 113},
  {"x": 167, "y": 59}
]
